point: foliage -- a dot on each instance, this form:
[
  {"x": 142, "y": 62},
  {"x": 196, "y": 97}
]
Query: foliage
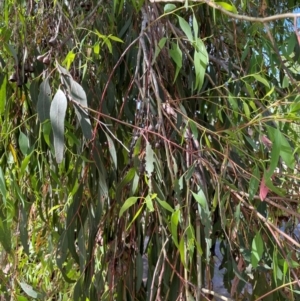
[{"x": 138, "y": 139}]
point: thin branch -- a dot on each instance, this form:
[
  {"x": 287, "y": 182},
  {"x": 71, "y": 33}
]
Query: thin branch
[{"x": 237, "y": 16}]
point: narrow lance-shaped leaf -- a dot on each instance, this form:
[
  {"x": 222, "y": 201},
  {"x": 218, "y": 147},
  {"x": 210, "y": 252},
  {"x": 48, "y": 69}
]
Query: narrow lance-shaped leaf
[
  {"x": 2, "y": 186},
  {"x": 149, "y": 165},
  {"x": 44, "y": 101},
  {"x": 78, "y": 96},
  {"x": 57, "y": 117}
]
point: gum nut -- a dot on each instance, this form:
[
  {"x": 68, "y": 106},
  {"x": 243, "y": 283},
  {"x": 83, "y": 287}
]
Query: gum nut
[
  {"x": 46, "y": 60},
  {"x": 41, "y": 57},
  {"x": 13, "y": 77}
]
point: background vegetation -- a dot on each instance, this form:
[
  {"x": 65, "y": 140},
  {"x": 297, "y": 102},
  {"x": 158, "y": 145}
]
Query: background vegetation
[{"x": 139, "y": 139}]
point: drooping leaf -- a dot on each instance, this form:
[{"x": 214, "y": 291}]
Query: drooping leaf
[
  {"x": 128, "y": 203},
  {"x": 149, "y": 164},
  {"x": 174, "y": 225},
  {"x": 44, "y": 101},
  {"x": 176, "y": 55},
  {"x": 165, "y": 205},
  {"x": 79, "y": 99},
  {"x": 23, "y": 143},
  {"x": 57, "y": 117},
  {"x": 254, "y": 183},
  {"x": 3, "y": 83},
  {"x": 149, "y": 203},
  {"x": 257, "y": 249},
  {"x": 2, "y": 186},
  {"x": 186, "y": 28},
  {"x": 263, "y": 190},
  {"x": 112, "y": 150}
]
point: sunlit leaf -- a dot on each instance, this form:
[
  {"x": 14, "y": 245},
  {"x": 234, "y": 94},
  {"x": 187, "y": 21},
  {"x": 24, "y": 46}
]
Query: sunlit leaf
[
  {"x": 57, "y": 116},
  {"x": 3, "y": 83},
  {"x": 127, "y": 204},
  {"x": 149, "y": 203},
  {"x": 174, "y": 224},
  {"x": 227, "y": 6},
  {"x": 69, "y": 59},
  {"x": 149, "y": 164}
]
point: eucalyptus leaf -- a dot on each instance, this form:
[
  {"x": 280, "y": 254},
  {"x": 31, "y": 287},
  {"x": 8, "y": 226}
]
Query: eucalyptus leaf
[
  {"x": 57, "y": 117},
  {"x": 44, "y": 101}
]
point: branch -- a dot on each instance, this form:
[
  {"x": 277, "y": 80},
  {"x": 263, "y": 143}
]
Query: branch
[{"x": 237, "y": 16}]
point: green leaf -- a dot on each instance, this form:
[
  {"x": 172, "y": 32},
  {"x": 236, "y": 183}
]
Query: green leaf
[
  {"x": 195, "y": 27},
  {"x": 149, "y": 203},
  {"x": 246, "y": 109},
  {"x": 3, "y": 83},
  {"x": 176, "y": 55},
  {"x": 114, "y": 38},
  {"x": 158, "y": 48},
  {"x": 193, "y": 129},
  {"x": 128, "y": 203},
  {"x": 165, "y": 205},
  {"x": 44, "y": 101},
  {"x": 24, "y": 164},
  {"x": 169, "y": 7},
  {"x": 233, "y": 102},
  {"x": 28, "y": 289},
  {"x": 227, "y": 6},
  {"x": 200, "y": 198},
  {"x": 57, "y": 117},
  {"x": 2, "y": 186},
  {"x": 129, "y": 177},
  {"x": 79, "y": 99},
  {"x": 261, "y": 79},
  {"x": 23, "y": 143},
  {"x": 112, "y": 150},
  {"x": 286, "y": 151},
  {"x": 186, "y": 28},
  {"x": 69, "y": 59},
  {"x": 135, "y": 216},
  {"x": 254, "y": 182},
  {"x": 149, "y": 159},
  {"x": 97, "y": 48},
  {"x": 200, "y": 61},
  {"x": 256, "y": 250},
  {"x": 174, "y": 223}
]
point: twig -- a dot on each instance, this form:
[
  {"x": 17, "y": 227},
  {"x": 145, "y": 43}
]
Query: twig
[{"x": 237, "y": 16}]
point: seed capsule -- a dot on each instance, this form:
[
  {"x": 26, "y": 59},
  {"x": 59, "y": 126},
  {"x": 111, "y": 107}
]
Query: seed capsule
[
  {"x": 13, "y": 78},
  {"x": 46, "y": 60}
]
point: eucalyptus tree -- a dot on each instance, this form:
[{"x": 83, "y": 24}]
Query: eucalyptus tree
[{"x": 141, "y": 138}]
